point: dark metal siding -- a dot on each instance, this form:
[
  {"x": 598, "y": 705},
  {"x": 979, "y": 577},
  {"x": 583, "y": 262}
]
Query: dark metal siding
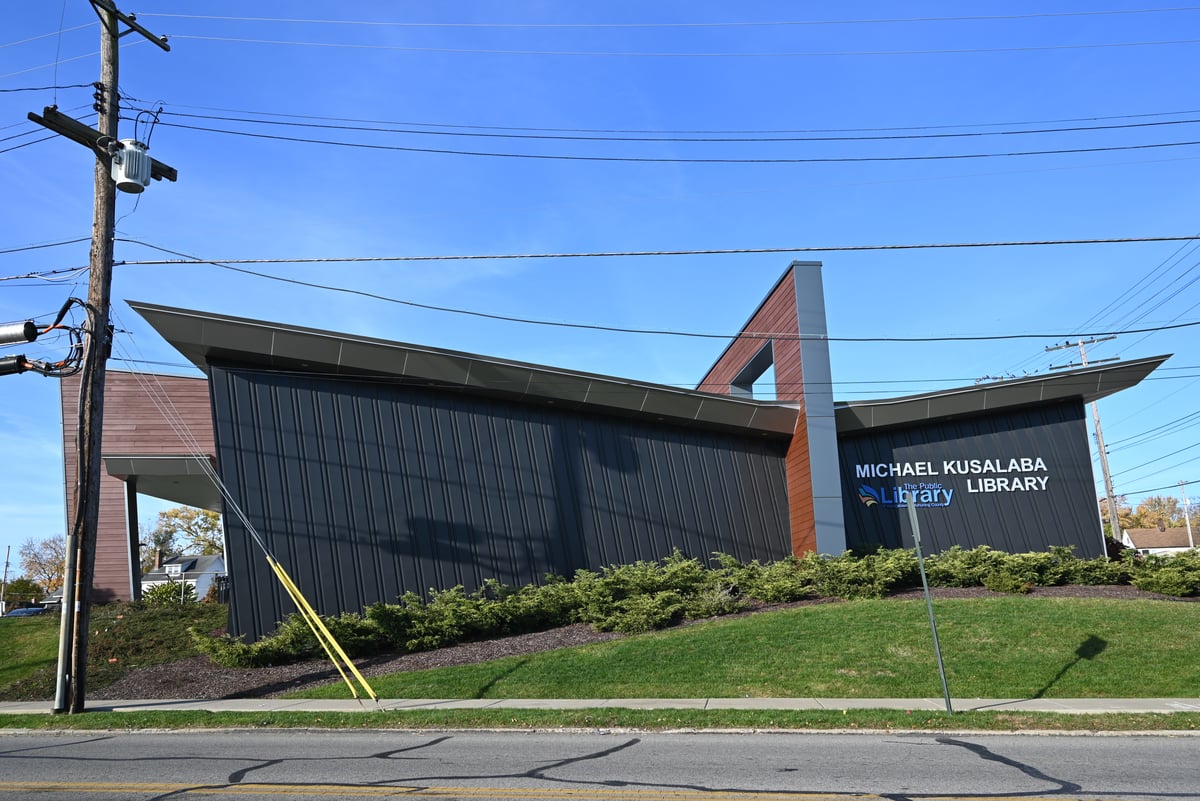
[
  {"x": 365, "y": 490},
  {"x": 1064, "y": 512}
]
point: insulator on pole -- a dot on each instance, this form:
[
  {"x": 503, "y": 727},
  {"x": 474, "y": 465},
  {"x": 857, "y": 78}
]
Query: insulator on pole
[
  {"x": 18, "y": 332},
  {"x": 11, "y": 365}
]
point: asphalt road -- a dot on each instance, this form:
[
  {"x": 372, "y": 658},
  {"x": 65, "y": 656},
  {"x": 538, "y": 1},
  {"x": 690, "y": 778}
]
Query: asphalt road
[{"x": 596, "y": 766}]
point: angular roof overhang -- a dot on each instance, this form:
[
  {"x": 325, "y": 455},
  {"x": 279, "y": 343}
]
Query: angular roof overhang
[
  {"x": 179, "y": 479},
  {"x": 204, "y": 339},
  {"x": 1085, "y": 385}
]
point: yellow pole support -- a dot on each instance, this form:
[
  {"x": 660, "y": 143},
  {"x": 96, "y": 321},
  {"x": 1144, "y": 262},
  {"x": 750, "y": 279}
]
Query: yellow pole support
[
  {"x": 292, "y": 591},
  {"x": 316, "y": 621}
]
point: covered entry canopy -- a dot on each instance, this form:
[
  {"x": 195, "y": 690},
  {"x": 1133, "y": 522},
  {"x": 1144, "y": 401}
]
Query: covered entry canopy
[{"x": 180, "y": 479}]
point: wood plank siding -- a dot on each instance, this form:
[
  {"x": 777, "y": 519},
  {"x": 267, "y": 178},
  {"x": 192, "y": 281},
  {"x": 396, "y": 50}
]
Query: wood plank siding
[
  {"x": 133, "y": 425},
  {"x": 776, "y": 324}
]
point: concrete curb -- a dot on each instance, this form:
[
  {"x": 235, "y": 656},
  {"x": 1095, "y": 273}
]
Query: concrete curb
[{"x": 1060, "y": 705}]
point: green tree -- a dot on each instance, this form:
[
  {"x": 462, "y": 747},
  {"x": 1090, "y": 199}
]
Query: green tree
[
  {"x": 23, "y": 589},
  {"x": 43, "y": 561},
  {"x": 199, "y": 530},
  {"x": 156, "y": 544}
]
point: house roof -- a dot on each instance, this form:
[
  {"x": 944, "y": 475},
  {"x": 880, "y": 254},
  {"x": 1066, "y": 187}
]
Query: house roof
[
  {"x": 1159, "y": 538},
  {"x": 1085, "y": 384},
  {"x": 204, "y": 338},
  {"x": 190, "y": 567}
]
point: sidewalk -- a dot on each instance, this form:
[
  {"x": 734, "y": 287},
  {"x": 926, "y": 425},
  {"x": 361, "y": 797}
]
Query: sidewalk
[{"x": 1063, "y": 705}]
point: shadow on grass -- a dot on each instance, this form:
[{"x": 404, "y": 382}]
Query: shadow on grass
[
  {"x": 1089, "y": 649},
  {"x": 487, "y": 686}
]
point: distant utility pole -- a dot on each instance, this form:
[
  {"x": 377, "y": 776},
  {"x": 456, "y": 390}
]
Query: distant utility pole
[
  {"x": 112, "y": 155},
  {"x": 1114, "y": 524},
  {"x": 4, "y": 581},
  {"x": 1187, "y": 514}
]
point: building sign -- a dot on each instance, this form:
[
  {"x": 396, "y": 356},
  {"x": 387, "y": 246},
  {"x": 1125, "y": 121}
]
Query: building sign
[
  {"x": 1016, "y": 474},
  {"x": 1017, "y": 481}
]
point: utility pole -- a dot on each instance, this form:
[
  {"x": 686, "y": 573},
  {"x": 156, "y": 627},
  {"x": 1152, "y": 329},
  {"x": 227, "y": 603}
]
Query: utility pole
[
  {"x": 1187, "y": 514},
  {"x": 4, "y": 581},
  {"x": 71, "y": 685},
  {"x": 1114, "y": 524}
]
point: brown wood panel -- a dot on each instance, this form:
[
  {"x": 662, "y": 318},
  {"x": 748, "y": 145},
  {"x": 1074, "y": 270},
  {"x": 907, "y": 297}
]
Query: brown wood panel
[
  {"x": 134, "y": 424},
  {"x": 777, "y": 315},
  {"x": 800, "y": 494}
]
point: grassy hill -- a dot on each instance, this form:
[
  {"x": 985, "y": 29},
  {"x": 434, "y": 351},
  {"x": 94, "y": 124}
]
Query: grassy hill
[
  {"x": 124, "y": 637},
  {"x": 997, "y": 647}
]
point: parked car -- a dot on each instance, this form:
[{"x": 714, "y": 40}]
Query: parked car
[{"x": 28, "y": 611}]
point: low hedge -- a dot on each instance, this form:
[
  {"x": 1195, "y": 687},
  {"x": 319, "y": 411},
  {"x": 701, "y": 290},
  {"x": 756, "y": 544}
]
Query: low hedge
[{"x": 650, "y": 595}]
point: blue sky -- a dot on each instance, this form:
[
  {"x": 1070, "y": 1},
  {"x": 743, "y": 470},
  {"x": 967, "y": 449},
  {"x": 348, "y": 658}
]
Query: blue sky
[{"x": 874, "y": 82}]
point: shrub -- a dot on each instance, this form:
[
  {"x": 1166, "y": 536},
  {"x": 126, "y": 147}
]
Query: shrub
[
  {"x": 871, "y": 576},
  {"x": 957, "y": 567},
  {"x": 1174, "y": 575},
  {"x": 292, "y": 641},
  {"x": 171, "y": 593},
  {"x": 641, "y": 613},
  {"x": 777, "y": 582},
  {"x": 1006, "y": 580}
]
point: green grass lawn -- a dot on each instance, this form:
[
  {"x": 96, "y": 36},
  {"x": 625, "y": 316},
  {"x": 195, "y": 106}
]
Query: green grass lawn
[
  {"x": 1008, "y": 647},
  {"x": 123, "y": 637},
  {"x": 30, "y": 644}
]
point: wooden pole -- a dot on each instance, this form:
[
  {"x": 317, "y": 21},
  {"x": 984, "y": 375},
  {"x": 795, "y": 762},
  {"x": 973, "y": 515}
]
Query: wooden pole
[{"x": 91, "y": 399}]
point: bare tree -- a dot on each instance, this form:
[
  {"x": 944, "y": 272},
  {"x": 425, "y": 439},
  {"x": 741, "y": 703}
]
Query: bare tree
[{"x": 43, "y": 561}]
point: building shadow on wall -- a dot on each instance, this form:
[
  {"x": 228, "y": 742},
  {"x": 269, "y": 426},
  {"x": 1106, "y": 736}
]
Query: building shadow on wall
[{"x": 1088, "y": 650}]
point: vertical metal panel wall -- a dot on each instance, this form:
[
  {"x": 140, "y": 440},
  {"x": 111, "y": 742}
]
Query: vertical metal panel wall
[
  {"x": 365, "y": 490},
  {"x": 970, "y": 492}
]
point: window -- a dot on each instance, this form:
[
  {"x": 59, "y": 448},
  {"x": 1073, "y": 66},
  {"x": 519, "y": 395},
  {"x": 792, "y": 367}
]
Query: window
[{"x": 757, "y": 378}]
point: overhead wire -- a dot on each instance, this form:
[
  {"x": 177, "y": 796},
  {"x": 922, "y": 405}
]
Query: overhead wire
[
  {"x": 47, "y": 88},
  {"x": 665, "y": 54},
  {"x": 659, "y": 253},
  {"x": 1159, "y": 489},
  {"x": 39, "y": 37},
  {"x": 764, "y": 137},
  {"x": 681, "y": 160},
  {"x": 719, "y": 24},
  {"x": 44, "y": 245},
  {"x": 230, "y": 265},
  {"x": 768, "y": 131}
]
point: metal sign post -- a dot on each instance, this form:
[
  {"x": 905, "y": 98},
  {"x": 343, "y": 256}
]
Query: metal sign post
[{"x": 937, "y": 647}]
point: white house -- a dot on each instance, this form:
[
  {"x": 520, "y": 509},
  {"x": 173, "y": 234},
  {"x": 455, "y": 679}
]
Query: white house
[
  {"x": 198, "y": 571},
  {"x": 1163, "y": 541}
]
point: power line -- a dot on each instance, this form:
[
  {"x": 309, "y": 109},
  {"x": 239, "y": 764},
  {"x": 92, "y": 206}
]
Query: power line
[
  {"x": 47, "y": 36},
  {"x": 645, "y": 253},
  {"x": 27, "y": 144},
  {"x": 680, "y": 139},
  {"x": 47, "y": 88},
  {"x": 25, "y": 248},
  {"x": 645, "y": 54},
  {"x": 728, "y": 24},
  {"x": 1159, "y": 459},
  {"x": 667, "y": 160},
  {"x": 690, "y": 131},
  {"x": 1158, "y": 432},
  {"x": 1158, "y": 489},
  {"x": 228, "y": 265}
]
